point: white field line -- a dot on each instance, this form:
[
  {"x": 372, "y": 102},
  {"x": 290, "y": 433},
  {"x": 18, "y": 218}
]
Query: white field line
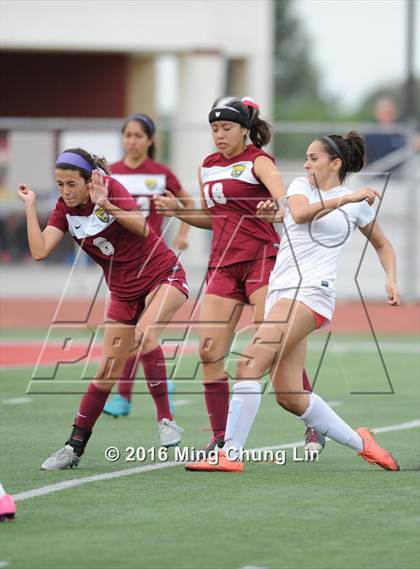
[
  {"x": 16, "y": 401},
  {"x": 50, "y": 488},
  {"x": 181, "y": 402}
]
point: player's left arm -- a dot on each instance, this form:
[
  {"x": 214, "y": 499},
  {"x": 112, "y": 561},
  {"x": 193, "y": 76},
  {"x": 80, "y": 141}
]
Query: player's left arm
[
  {"x": 180, "y": 241},
  {"x": 131, "y": 219},
  {"x": 272, "y": 179},
  {"x": 386, "y": 254}
]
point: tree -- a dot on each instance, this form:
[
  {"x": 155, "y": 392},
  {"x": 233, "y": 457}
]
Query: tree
[{"x": 297, "y": 93}]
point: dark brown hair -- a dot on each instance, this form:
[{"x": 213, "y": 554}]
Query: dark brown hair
[
  {"x": 247, "y": 115},
  {"x": 350, "y": 149},
  {"x": 95, "y": 161},
  {"x": 148, "y": 127},
  {"x": 259, "y": 130}
]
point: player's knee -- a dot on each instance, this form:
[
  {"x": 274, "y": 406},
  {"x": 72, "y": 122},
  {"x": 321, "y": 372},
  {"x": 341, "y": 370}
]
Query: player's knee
[
  {"x": 210, "y": 355},
  {"x": 109, "y": 371},
  {"x": 146, "y": 340},
  {"x": 148, "y": 344},
  {"x": 288, "y": 401}
]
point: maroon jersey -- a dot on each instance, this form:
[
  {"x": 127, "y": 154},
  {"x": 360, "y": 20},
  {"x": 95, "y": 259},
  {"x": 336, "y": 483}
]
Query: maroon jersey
[
  {"x": 149, "y": 179},
  {"x": 232, "y": 190},
  {"x": 130, "y": 263}
]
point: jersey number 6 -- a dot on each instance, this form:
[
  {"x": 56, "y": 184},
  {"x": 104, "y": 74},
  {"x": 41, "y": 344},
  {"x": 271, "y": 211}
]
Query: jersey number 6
[
  {"x": 106, "y": 247},
  {"x": 216, "y": 192}
]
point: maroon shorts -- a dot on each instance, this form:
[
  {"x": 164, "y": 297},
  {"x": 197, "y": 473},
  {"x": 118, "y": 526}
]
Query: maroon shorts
[
  {"x": 239, "y": 280},
  {"x": 129, "y": 311}
]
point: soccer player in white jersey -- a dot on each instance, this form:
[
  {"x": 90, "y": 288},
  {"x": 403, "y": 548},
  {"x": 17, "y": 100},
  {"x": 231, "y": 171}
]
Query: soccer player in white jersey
[{"x": 320, "y": 215}]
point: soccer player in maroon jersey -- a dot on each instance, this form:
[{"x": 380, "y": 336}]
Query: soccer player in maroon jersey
[
  {"x": 144, "y": 178},
  {"x": 232, "y": 182},
  {"x": 146, "y": 281}
]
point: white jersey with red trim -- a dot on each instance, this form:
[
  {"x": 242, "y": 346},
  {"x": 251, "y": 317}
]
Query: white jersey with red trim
[{"x": 309, "y": 252}]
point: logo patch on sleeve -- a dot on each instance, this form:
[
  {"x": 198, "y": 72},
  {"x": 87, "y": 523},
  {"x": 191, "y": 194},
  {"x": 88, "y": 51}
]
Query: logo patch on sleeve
[{"x": 102, "y": 214}]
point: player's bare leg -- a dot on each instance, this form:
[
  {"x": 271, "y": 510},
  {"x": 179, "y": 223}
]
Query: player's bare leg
[
  {"x": 171, "y": 299},
  {"x": 218, "y": 319},
  {"x": 118, "y": 339},
  {"x": 313, "y": 440},
  {"x": 260, "y": 356},
  {"x": 286, "y": 368},
  {"x": 161, "y": 305}
]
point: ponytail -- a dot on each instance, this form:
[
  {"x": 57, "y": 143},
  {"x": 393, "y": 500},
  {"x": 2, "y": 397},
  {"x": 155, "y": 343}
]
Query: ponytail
[
  {"x": 350, "y": 149},
  {"x": 259, "y": 130}
]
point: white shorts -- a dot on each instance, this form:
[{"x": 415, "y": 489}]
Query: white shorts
[{"x": 315, "y": 298}]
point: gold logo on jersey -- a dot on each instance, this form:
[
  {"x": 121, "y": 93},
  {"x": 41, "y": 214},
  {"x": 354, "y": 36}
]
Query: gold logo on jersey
[
  {"x": 151, "y": 183},
  {"x": 237, "y": 170},
  {"x": 102, "y": 214}
]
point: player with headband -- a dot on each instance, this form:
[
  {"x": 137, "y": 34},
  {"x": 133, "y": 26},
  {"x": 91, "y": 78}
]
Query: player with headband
[
  {"x": 144, "y": 178},
  {"x": 321, "y": 214},
  {"x": 146, "y": 281},
  {"x": 244, "y": 247}
]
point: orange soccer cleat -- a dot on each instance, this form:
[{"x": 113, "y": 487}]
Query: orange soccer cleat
[
  {"x": 373, "y": 453},
  {"x": 216, "y": 463}
]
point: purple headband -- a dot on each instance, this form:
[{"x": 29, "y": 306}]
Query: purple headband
[
  {"x": 145, "y": 119},
  {"x": 74, "y": 159}
]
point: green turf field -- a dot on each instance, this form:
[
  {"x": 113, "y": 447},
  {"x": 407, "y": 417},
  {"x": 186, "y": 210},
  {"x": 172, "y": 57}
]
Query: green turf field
[{"x": 336, "y": 513}]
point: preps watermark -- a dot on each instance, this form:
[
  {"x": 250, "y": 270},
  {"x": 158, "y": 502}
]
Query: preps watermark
[{"x": 191, "y": 454}]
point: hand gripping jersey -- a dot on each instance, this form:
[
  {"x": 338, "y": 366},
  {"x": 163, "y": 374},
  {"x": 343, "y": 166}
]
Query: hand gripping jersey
[
  {"x": 149, "y": 179},
  {"x": 309, "y": 252},
  {"x": 232, "y": 191},
  {"x": 131, "y": 264}
]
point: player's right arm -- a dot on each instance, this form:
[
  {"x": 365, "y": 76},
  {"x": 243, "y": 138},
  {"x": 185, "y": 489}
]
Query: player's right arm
[
  {"x": 41, "y": 243},
  {"x": 304, "y": 212},
  {"x": 169, "y": 206}
]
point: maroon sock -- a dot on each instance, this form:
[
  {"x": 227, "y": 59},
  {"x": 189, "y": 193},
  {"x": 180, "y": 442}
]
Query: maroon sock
[
  {"x": 216, "y": 395},
  {"x": 306, "y": 383},
  {"x": 155, "y": 373},
  {"x": 126, "y": 381},
  {"x": 91, "y": 406}
]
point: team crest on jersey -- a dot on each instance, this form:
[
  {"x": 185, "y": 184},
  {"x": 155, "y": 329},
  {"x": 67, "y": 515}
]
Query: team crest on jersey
[
  {"x": 237, "y": 170},
  {"x": 102, "y": 214},
  {"x": 151, "y": 183}
]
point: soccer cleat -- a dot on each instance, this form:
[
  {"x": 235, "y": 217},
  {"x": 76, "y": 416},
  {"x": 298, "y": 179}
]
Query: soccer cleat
[
  {"x": 118, "y": 406},
  {"x": 216, "y": 463},
  {"x": 373, "y": 453},
  {"x": 169, "y": 433},
  {"x": 7, "y": 508},
  {"x": 314, "y": 441},
  {"x": 215, "y": 443},
  {"x": 62, "y": 459}
]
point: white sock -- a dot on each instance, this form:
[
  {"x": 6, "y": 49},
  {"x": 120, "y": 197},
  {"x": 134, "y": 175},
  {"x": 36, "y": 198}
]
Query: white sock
[
  {"x": 243, "y": 409},
  {"x": 324, "y": 420}
]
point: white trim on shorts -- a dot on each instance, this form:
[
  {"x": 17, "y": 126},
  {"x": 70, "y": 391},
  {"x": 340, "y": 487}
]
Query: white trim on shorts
[{"x": 313, "y": 297}]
